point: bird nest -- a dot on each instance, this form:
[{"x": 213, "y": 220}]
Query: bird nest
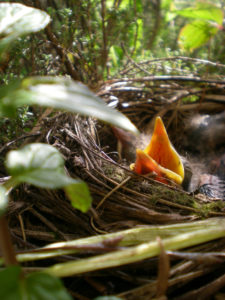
[{"x": 121, "y": 199}]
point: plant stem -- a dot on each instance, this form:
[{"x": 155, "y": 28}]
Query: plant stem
[
  {"x": 6, "y": 243},
  {"x": 137, "y": 253}
]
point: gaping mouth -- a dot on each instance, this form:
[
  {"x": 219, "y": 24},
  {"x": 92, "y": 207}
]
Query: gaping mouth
[{"x": 159, "y": 157}]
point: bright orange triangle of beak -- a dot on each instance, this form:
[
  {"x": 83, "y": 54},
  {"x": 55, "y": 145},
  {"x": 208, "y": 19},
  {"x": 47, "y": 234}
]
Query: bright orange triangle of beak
[{"x": 159, "y": 157}]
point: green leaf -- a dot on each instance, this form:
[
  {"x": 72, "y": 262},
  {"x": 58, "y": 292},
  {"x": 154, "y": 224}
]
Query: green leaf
[
  {"x": 116, "y": 54},
  {"x": 40, "y": 286},
  {"x": 9, "y": 283},
  {"x": 203, "y": 11},
  {"x": 3, "y": 200},
  {"x": 62, "y": 93},
  {"x": 7, "y": 106},
  {"x": 36, "y": 286},
  {"x": 195, "y": 34},
  {"x": 38, "y": 164},
  {"x": 79, "y": 195},
  {"x": 17, "y": 19},
  {"x": 42, "y": 165}
]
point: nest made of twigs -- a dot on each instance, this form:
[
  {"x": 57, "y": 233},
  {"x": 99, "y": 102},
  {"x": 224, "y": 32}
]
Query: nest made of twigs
[{"x": 121, "y": 199}]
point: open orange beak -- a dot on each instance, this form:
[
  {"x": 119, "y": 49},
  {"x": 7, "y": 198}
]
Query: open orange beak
[{"x": 159, "y": 157}]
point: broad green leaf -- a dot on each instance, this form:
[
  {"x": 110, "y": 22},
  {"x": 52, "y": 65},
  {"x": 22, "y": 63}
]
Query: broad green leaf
[
  {"x": 17, "y": 19},
  {"x": 203, "y": 11},
  {"x": 42, "y": 165},
  {"x": 38, "y": 164},
  {"x": 36, "y": 286},
  {"x": 3, "y": 200},
  {"x": 40, "y": 286},
  {"x": 195, "y": 34},
  {"x": 62, "y": 93},
  {"x": 9, "y": 283},
  {"x": 79, "y": 195}
]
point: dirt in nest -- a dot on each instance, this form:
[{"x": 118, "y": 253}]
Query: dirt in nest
[{"x": 121, "y": 199}]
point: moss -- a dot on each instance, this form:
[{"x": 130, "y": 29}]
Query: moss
[
  {"x": 214, "y": 206},
  {"x": 174, "y": 196},
  {"x": 114, "y": 173},
  {"x": 157, "y": 193}
]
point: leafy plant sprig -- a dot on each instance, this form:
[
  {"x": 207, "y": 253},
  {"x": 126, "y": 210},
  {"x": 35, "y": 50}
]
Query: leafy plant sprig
[{"x": 40, "y": 164}]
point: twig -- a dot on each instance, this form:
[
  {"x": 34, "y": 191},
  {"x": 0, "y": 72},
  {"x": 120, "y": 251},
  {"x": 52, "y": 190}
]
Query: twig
[
  {"x": 167, "y": 78},
  {"x": 112, "y": 191}
]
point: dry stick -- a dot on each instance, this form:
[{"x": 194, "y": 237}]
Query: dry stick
[
  {"x": 150, "y": 287},
  {"x": 209, "y": 257},
  {"x": 206, "y": 291},
  {"x": 18, "y": 139},
  {"x": 48, "y": 223},
  {"x": 22, "y": 227},
  {"x": 204, "y": 105},
  {"x": 88, "y": 162},
  {"x": 95, "y": 216},
  {"x": 167, "y": 78},
  {"x": 200, "y": 61},
  {"x": 96, "y": 228},
  {"x": 156, "y": 60},
  {"x": 133, "y": 62},
  {"x": 119, "y": 185},
  {"x": 45, "y": 236}
]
